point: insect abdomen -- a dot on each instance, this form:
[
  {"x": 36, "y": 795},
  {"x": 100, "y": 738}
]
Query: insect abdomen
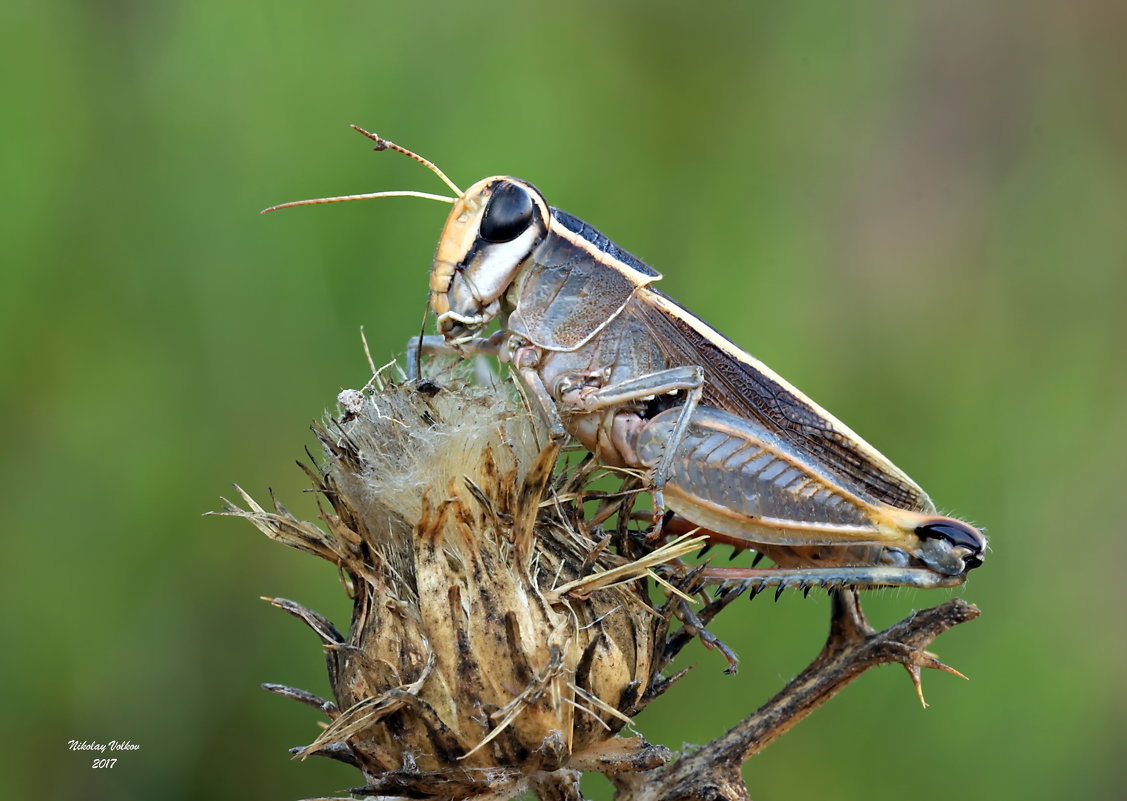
[{"x": 734, "y": 477}]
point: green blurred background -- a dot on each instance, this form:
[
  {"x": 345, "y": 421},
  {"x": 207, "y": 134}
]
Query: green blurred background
[{"x": 914, "y": 211}]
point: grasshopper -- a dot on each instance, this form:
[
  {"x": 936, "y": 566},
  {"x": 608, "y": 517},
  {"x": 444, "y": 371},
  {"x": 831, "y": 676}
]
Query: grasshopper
[{"x": 641, "y": 382}]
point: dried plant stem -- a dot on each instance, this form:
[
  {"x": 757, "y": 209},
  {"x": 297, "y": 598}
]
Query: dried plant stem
[{"x": 853, "y": 646}]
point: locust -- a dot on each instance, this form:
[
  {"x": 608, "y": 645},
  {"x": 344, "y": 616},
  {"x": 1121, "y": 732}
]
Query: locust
[{"x": 641, "y": 382}]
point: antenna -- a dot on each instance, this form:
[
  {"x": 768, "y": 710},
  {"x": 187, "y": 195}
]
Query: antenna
[
  {"x": 369, "y": 196},
  {"x": 382, "y": 144}
]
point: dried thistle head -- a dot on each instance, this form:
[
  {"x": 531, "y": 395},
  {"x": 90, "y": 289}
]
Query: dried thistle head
[{"x": 492, "y": 639}]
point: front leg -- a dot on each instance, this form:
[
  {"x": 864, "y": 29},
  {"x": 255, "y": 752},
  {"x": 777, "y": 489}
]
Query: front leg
[
  {"x": 437, "y": 345},
  {"x": 526, "y": 361}
]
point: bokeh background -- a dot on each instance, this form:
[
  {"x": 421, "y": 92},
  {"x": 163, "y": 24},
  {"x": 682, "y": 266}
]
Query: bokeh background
[{"x": 915, "y": 211}]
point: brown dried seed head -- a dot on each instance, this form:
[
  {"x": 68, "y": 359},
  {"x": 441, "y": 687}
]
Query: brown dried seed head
[{"x": 464, "y": 669}]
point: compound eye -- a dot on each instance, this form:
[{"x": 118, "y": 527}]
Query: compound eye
[
  {"x": 958, "y": 534},
  {"x": 508, "y": 214}
]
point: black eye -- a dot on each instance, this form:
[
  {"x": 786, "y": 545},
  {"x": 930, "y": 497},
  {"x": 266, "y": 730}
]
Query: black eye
[{"x": 508, "y": 214}]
